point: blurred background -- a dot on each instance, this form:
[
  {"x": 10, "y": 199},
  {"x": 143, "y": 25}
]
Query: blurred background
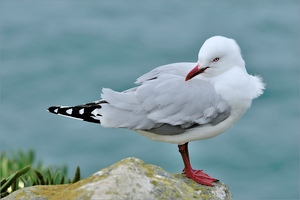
[{"x": 64, "y": 52}]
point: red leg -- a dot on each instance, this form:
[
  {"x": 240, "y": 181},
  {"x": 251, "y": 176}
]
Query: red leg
[{"x": 197, "y": 175}]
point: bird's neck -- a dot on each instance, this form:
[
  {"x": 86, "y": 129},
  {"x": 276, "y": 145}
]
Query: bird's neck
[{"x": 234, "y": 87}]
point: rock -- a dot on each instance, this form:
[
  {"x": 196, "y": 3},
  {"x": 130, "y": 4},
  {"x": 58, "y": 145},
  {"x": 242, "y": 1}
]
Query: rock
[{"x": 130, "y": 178}]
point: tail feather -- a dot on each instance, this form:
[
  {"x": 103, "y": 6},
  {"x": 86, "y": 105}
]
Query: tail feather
[{"x": 87, "y": 112}]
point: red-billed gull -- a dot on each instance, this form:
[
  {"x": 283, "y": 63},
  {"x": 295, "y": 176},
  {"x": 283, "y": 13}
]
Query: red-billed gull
[{"x": 180, "y": 102}]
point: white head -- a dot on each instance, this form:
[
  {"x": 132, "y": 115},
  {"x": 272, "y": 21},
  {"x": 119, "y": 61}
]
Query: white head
[{"x": 217, "y": 55}]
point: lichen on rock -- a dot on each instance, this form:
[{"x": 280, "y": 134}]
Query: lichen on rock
[{"x": 129, "y": 178}]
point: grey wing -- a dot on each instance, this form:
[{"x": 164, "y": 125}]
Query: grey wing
[
  {"x": 182, "y": 104},
  {"x": 164, "y": 104},
  {"x": 180, "y": 69}
]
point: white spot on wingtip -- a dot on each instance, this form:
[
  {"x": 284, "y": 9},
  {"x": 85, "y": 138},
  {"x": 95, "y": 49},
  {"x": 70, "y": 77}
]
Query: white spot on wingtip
[
  {"x": 81, "y": 111},
  {"x": 69, "y": 111}
]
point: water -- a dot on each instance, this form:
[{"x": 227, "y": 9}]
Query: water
[{"x": 64, "y": 52}]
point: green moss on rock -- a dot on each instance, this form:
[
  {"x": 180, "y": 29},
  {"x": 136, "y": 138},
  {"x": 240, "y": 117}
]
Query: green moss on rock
[{"x": 130, "y": 178}]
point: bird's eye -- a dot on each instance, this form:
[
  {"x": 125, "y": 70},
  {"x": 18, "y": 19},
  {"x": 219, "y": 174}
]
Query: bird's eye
[{"x": 216, "y": 59}]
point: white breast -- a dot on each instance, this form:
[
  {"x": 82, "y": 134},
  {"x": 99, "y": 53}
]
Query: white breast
[{"x": 237, "y": 92}]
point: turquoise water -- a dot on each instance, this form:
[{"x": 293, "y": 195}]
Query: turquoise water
[{"x": 64, "y": 52}]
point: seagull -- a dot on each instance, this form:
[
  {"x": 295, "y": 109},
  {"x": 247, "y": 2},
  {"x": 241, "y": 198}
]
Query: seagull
[{"x": 180, "y": 102}]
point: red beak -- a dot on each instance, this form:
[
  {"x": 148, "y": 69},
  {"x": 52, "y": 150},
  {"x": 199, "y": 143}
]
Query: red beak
[{"x": 194, "y": 72}]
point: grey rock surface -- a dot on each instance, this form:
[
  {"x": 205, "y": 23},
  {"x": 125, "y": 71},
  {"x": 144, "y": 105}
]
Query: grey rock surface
[{"x": 129, "y": 178}]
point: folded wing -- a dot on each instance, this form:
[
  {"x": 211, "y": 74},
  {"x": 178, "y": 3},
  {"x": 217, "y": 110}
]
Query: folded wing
[{"x": 164, "y": 103}]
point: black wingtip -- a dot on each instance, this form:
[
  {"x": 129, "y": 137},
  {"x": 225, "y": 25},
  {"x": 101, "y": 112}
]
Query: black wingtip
[
  {"x": 53, "y": 109},
  {"x": 81, "y": 112}
]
